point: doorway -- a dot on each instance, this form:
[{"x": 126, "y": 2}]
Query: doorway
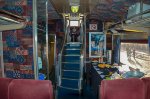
[{"x": 52, "y": 56}]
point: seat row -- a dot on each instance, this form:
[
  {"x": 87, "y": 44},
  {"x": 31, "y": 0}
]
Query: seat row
[
  {"x": 25, "y": 89},
  {"x": 133, "y": 88}
]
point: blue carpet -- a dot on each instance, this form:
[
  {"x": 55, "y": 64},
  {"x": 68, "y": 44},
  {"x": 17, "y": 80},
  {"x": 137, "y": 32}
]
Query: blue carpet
[{"x": 88, "y": 93}]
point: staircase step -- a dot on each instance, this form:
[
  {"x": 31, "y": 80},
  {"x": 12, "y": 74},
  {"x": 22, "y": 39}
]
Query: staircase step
[
  {"x": 73, "y": 49},
  {"x": 69, "y": 51},
  {"x": 73, "y": 46},
  {"x": 72, "y": 55},
  {"x": 65, "y": 91},
  {"x": 71, "y": 58},
  {"x": 70, "y": 79},
  {"x": 74, "y": 43},
  {"x": 74, "y": 62},
  {"x": 71, "y": 66},
  {"x": 71, "y": 74},
  {"x": 77, "y": 62},
  {"x": 69, "y": 83},
  {"x": 69, "y": 88}
]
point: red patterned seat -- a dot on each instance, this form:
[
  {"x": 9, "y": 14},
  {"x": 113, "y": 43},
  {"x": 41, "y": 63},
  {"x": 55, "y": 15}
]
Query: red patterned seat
[
  {"x": 30, "y": 89},
  {"x": 132, "y": 88},
  {"x": 4, "y": 83},
  {"x": 146, "y": 80}
]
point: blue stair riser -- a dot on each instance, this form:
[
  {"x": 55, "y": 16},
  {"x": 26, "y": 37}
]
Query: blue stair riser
[
  {"x": 72, "y": 47},
  {"x": 71, "y": 58},
  {"x": 70, "y": 83},
  {"x": 72, "y": 61},
  {"x": 71, "y": 66},
  {"x": 72, "y": 52},
  {"x": 71, "y": 74}
]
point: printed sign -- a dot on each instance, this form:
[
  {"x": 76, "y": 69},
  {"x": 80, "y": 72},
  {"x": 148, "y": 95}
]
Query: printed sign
[{"x": 93, "y": 26}]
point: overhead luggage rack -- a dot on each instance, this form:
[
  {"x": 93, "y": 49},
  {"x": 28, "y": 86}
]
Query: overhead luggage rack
[
  {"x": 142, "y": 19},
  {"x": 9, "y": 21},
  {"x": 139, "y": 15}
]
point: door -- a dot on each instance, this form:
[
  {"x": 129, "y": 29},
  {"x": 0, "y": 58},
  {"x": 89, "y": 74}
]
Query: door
[{"x": 52, "y": 56}]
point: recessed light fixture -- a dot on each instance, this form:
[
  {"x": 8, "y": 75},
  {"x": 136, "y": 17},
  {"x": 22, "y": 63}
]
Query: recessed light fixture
[{"x": 74, "y": 9}]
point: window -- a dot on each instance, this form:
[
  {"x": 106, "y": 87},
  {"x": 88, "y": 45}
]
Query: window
[{"x": 135, "y": 55}]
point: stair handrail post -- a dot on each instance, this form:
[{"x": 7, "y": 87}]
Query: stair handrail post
[
  {"x": 82, "y": 55},
  {"x": 81, "y": 32},
  {"x": 81, "y": 71},
  {"x": 60, "y": 60},
  {"x": 83, "y": 51}
]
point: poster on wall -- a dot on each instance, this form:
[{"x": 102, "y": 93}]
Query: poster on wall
[{"x": 97, "y": 44}]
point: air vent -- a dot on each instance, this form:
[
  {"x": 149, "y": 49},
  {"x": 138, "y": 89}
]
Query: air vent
[{"x": 74, "y": 2}]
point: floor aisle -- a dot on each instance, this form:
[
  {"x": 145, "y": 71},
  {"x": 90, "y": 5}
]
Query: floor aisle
[{"x": 88, "y": 93}]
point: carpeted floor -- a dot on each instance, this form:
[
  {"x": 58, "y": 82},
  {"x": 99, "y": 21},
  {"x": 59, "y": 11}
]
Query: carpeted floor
[{"x": 88, "y": 93}]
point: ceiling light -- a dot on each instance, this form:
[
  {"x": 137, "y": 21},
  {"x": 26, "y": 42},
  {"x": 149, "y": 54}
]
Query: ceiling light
[{"x": 74, "y": 9}]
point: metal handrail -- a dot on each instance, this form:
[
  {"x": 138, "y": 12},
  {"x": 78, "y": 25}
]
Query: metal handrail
[
  {"x": 60, "y": 55},
  {"x": 59, "y": 80},
  {"x": 82, "y": 58},
  {"x": 65, "y": 39}
]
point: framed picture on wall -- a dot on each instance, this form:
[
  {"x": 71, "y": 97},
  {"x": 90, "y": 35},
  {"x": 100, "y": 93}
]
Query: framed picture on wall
[{"x": 97, "y": 44}]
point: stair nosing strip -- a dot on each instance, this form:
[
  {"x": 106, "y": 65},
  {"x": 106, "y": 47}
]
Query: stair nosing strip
[
  {"x": 69, "y": 78},
  {"x": 72, "y": 62},
  {"x": 69, "y": 88},
  {"x": 76, "y": 69},
  {"x": 72, "y": 49},
  {"x": 71, "y": 70},
  {"x": 71, "y": 55},
  {"x": 73, "y": 43}
]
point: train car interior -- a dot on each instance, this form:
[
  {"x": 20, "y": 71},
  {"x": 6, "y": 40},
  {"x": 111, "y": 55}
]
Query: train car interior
[{"x": 74, "y": 49}]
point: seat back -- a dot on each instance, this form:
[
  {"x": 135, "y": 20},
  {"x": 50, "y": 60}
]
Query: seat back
[
  {"x": 147, "y": 86},
  {"x": 4, "y": 83},
  {"x": 132, "y": 88},
  {"x": 30, "y": 89}
]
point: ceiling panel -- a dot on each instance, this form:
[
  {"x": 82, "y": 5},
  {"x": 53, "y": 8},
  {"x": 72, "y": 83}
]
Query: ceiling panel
[
  {"x": 62, "y": 6},
  {"x": 105, "y": 10},
  {"x": 112, "y": 9}
]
